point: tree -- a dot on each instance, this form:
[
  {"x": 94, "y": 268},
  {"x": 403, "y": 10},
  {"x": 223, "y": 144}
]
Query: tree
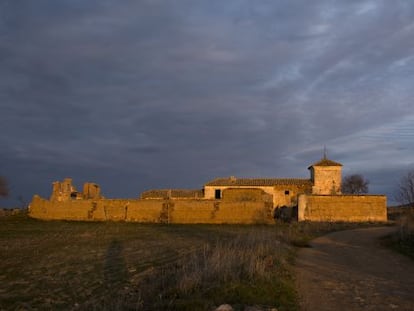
[
  {"x": 405, "y": 190},
  {"x": 4, "y": 189},
  {"x": 355, "y": 184}
]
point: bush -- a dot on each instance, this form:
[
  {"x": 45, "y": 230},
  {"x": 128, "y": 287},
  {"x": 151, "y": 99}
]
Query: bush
[
  {"x": 403, "y": 239},
  {"x": 406, "y": 227}
]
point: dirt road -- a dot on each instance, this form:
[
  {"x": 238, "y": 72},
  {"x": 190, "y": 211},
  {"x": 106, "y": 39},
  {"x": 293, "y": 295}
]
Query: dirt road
[{"x": 350, "y": 270}]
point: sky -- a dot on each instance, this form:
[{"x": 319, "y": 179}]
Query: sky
[{"x": 143, "y": 94}]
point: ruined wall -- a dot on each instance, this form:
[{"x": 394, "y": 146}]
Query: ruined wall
[
  {"x": 91, "y": 191},
  {"x": 62, "y": 191},
  {"x": 348, "y": 208},
  {"x": 153, "y": 211},
  {"x": 66, "y": 191}
]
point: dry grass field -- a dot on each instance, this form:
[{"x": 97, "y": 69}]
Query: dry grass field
[{"x": 129, "y": 266}]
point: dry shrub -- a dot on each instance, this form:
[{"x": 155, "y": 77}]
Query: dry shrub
[
  {"x": 406, "y": 226},
  {"x": 246, "y": 257},
  {"x": 403, "y": 239}
]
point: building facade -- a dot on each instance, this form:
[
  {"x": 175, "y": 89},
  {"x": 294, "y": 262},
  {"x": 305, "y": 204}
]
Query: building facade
[{"x": 325, "y": 179}]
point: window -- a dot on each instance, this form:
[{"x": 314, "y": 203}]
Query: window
[
  {"x": 286, "y": 192},
  {"x": 217, "y": 194}
]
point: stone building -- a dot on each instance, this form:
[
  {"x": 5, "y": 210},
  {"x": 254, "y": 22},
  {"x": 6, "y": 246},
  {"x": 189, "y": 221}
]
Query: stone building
[
  {"x": 284, "y": 191},
  {"x": 325, "y": 178},
  {"x": 222, "y": 200}
]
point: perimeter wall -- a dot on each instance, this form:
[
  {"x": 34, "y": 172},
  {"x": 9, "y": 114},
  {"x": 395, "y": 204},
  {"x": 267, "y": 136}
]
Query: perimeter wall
[
  {"x": 182, "y": 211},
  {"x": 348, "y": 208},
  {"x": 237, "y": 206}
]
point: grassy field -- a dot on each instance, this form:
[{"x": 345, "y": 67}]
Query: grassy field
[{"x": 129, "y": 266}]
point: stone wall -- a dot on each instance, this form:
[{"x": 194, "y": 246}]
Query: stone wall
[
  {"x": 182, "y": 211},
  {"x": 209, "y": 191},
  {"x": 172, "y": 194},
  {"x": 288, "y": 196},
  {"x": 246, "y": 195},
  {"x": 347, "y": 208}
]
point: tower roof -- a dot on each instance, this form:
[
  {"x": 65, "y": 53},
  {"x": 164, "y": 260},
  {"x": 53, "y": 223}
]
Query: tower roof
[{"x": 325, "y": 162}]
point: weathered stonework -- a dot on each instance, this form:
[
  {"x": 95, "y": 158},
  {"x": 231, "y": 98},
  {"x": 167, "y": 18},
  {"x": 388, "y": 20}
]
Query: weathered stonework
[
  {"x": 91, "y": 191},
  {"x": 223, "y": 200},
  {"x": 326, "y": 177},
  {"x": 65, "y": 191},
  {"x": 346, "y": 208},
  {"x": 246, "y": 195},
  {"x": 182, "y": 211}
]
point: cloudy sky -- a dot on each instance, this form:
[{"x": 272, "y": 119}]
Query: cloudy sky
[{"x": 142, "y": 94}]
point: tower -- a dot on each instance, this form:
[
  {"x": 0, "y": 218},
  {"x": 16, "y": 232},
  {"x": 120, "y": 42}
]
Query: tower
[{"x": 326, "y": 176}]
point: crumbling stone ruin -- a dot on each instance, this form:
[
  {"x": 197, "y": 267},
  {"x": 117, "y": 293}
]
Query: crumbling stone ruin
[{"x": 65, "y": 191}]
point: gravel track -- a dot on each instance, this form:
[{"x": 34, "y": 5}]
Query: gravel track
[{"x": 351, "y": 270}]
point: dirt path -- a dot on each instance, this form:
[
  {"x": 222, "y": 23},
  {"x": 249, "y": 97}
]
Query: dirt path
[{"x": 350, "y": 270}]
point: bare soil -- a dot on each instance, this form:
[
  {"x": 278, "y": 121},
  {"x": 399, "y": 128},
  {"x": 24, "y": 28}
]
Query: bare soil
[{"x": 352, "y": 270}]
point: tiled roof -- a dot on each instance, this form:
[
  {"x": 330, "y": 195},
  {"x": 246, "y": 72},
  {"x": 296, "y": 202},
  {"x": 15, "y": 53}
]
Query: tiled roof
[
  {"x": 232, "y": 181},
  {"x": 326, "y": 162}
]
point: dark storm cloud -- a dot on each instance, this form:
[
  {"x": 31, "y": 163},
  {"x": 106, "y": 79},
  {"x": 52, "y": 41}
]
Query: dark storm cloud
[{"x": 144, "y": 94}]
